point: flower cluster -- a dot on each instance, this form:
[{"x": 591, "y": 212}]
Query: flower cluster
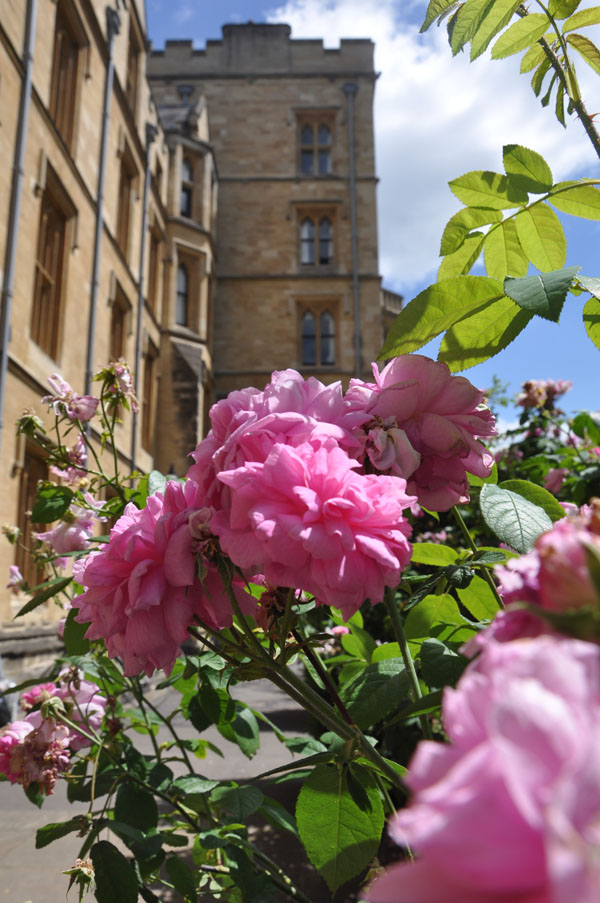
[
  {"x": 118, "y": 381},
  {"x": 74, "y": 530},
  {"x": 541, "y": 393},
  {"x": 37, "y": 749},
  {"x": 76, "y": 460},
  {"x": 66, "y": 401},
  {"x": 301, "y": 486},
  {"x": 510, "y": 809}
]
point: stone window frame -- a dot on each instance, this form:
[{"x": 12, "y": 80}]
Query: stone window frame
[
  {"x": 70, "y": 46},
  {"x": 58, "y": 213},
  {"x": 127, "y": 194},
  {"x": 317, "y": 308},
  {"x": 149, "y": 396},
  {"x": 195, "y": 264},
  {"x": 186, "y": 195},
  {"x": 31, "y": 469},
  {"x": 156, "y": 247},
  {"x": 121, "y": 321},
  {"x": 317, "y": 215},
  {"x": 311, "y": 149},
  {"x": 135, "y": 48}
]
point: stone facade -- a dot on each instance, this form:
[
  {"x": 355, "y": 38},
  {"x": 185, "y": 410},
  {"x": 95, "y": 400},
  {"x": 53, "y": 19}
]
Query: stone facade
[
  {"x": 256, "y": 159},
  {"x": 272, "y": 102}
]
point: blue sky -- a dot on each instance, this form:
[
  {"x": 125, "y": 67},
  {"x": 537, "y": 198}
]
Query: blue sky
[{"x": 435, "y": 119}]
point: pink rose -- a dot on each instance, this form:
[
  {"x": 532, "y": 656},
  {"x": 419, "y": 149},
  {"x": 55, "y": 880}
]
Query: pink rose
[
  {"x": 66, "y": 401},
  {"x": 555, "y": 478},
  {"x": 437, "y": 416},
  {"x": 34, "y": 751},
  {"x": 16, "y": 579},
  {"x": 147, "y": 586},
  {"x": 304, "y": 518},
  {"x": 510, "y": 809}
]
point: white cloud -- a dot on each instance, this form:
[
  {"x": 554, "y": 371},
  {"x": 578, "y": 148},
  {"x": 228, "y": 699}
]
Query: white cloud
[
  {"x": 436, "y": 118},
  {"x": 183, "y": 12}
]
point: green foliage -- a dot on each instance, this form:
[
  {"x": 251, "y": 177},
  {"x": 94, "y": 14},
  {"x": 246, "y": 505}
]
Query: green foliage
[
  {"x": 544, "y": 294},
  {"x": 43, "y": 592},
  {"x": 115, "y": 878},
  {"x": 340, "y": 822},
  {"x": 375, "y": 691},
  {"x": 182, "y": 877},
  {"x": 440, "y": 664},
  {"x": 74, "y": 635},
  {"x": 537, "y": 495},
  {"x": 136, "y": 807},
  {"x": 513, "y": 518},
  {"x": 51, "y": 503}
]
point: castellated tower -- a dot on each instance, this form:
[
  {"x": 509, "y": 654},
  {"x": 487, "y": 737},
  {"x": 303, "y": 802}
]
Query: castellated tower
[{"x": 290, "y": 124}]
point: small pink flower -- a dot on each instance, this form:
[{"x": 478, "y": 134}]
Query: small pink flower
[
  {"x": 555, "y": 478},
  {"x": 77, "y": 459},
  {"x": 34, "y": 751},
  {"x": 340, "y": 630},
  {"x": 16, "y": 579},
  {"x": 66, "y": 401},
  {"x": 36, "y": 695},
  {"x": 73, "y": 533}
]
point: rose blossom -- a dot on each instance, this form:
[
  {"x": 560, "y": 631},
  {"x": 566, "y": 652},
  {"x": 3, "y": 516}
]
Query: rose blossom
[
  {"x": 147, "y": 586},
  {"x": 304, "y": 518},
  {"x": 66, "y": 401},
  {"x": 555, "y": 478},
  {"x": 247, "y": 424},
  {"x": 77, "y": 458},
  {"x": 34, "y": 751},
  {"x": 16, "y": 579},
  {"x": 437, "y": 416},
  {"x": 83, "y": 702},
  {"x": 510, "y": 810}
]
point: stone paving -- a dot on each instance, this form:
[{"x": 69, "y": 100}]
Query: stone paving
[{"x": 28, "y": 875}]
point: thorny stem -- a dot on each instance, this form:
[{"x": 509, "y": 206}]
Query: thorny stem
[
  {"x": 398, "y": 627},
  {"x": 323, "y": 674},
  {"x": 577, "y": 102},
  {"x": 467, "y": 535}
]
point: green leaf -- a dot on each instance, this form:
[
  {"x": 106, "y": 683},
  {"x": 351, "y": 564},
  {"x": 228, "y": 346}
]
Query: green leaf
[
  {"x": 239, "y": 802},
  {"x": 483, "y": 334},
  {"x": 435, "y": 9},
  {"x": 51, "y": 832},
  {"x": 542, "y": 237},
  {"x": 243, "y": 730},
  {"x": 51, "y": 503},
  {"x": 459, "y": 226},
  {"x": 591, "y": 320},
  {"x": 536, "y": 494},
  {"x": 534, "y": 56},
  {"x": 385, "y": 651},
  {"x": 375, "y": 692},
  {"x": 433, "y": 553},
  {"x": 497, "y": 17},
  {"x": 480, "y": 481},
  {"x": 520, "y": 35},
  {"x": 193, "y": 784},
  {"x": 468, "y": 19},
  {"x": 591, "y": 284},
  {"x": 50, "y": 588},
  {"x": 431, "y": 612},
  {"x": 277, "y": 816},
  {"x": 340, "y": 836},
  {"x": 359, "y": 643},
  {"x": 479, "y": 599},
  {"x": 440, "y": 665},
  {"x": 560, "y": 105},
  {"x": 582, "y": 18},
  {"x": 539, "y": 75},
  {"x": 586, "y": 49},
  {"x": 483, "y": 188},
  {"x": 514, "y": 519},
  {"x": 115, "y": 878},
  {"x": 74, "y": 635},
  {"x": 435, "y": 310},
  {"x": 431, "y": 702},
  {"x": 182, "y": 878},
  {"x": 543, "y": 294},
  {"x": 560, "y": 9},
  {"x": 581, "y": 201},
  {"x": 136, "y": 807},
  {"x": 156, "y": 482},
  {"x": 462, "y": 260},
  {"x": 527, "y": 168},
  {"x": 587, "y": 426},
  {"x": 503, "y": 254}
]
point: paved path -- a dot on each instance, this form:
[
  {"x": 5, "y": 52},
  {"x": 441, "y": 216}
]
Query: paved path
[{"x": 28, "y": 875}]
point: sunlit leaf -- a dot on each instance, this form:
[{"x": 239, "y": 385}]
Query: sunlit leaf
[
  {"x": 497, "y": 17},
  {"x": 591, "y": 319},
  {"x": 582, "y": 18},
  {"x": 483, "y": 334},
  {"x": 542, "y": 237},
  {"x": 560, "y": 9},
  {"x": 435, "y": 9},
  {"x": 520, "y": 35},
  {"x": 502, "y": 252},
  {"x": 435, "y": 310},
  {"x": 468, "y": 19},
  {"x": 459, "y": 226},
  {"x": 515, "y": 520},
  {"x": 532, "y": 58},
  {"x": 461, "y": 261},
  {"x": 583, "y": 200},
  {"x": 536, "y": 494},
  {"x": 586, "y": 49},
  {"x": 527, "y": 168},
  {"x": 483, "y": 188}
]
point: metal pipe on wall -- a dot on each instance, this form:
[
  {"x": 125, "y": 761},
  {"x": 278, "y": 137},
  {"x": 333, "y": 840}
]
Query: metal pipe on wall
[
  {"x": 151, "y": 133},
  {"x": 15, "y": 201},
  {"x": 113, "y": 24},
  {"x": 350, "y": 90}
]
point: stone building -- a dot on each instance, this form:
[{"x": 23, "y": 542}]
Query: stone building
[
  {"x": 208, "y": 215},
  {"x": 291, "y": 125},
  {"x": 99, "y": 258}
]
